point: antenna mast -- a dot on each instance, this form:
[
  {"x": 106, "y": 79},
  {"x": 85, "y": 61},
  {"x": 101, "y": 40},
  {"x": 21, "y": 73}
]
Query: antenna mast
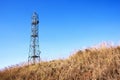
[{"x": 34, "y": 53}]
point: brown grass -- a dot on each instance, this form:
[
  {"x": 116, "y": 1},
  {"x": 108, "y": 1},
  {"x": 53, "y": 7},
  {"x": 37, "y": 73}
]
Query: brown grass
[{"x": 90, "y": 64}]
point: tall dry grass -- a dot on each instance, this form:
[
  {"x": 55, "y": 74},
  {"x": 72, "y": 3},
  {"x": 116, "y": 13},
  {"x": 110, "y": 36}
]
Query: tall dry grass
[{"x": 102, "y": 63}]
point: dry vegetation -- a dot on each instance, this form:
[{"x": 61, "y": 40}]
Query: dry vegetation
[{"x": 90, "y": 64}]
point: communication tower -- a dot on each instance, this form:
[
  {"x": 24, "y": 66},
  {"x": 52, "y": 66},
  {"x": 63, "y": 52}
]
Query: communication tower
[{"x": 34, "y": 52}]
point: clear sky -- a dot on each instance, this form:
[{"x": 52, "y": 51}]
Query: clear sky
[{"x": 65, "y": 26}]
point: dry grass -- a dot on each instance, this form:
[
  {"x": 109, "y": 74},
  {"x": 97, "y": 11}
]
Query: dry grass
[{"x": 90, "y": 64}]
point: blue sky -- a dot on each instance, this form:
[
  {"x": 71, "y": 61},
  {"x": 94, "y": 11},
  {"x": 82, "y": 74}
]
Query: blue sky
[{"x": 65, "y": 26}]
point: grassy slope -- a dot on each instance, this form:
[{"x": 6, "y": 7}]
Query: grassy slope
[{"x": 90, "y": 64}]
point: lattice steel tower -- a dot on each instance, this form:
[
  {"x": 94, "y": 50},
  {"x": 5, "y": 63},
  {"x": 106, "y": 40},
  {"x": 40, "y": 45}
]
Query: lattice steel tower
[{"x": 34, "y": 52}]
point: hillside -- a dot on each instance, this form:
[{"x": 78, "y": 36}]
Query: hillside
[{"x": 90, "y": 64}]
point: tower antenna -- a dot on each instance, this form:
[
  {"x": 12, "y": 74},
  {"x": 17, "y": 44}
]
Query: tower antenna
[{"x": 34, "y": 52}]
